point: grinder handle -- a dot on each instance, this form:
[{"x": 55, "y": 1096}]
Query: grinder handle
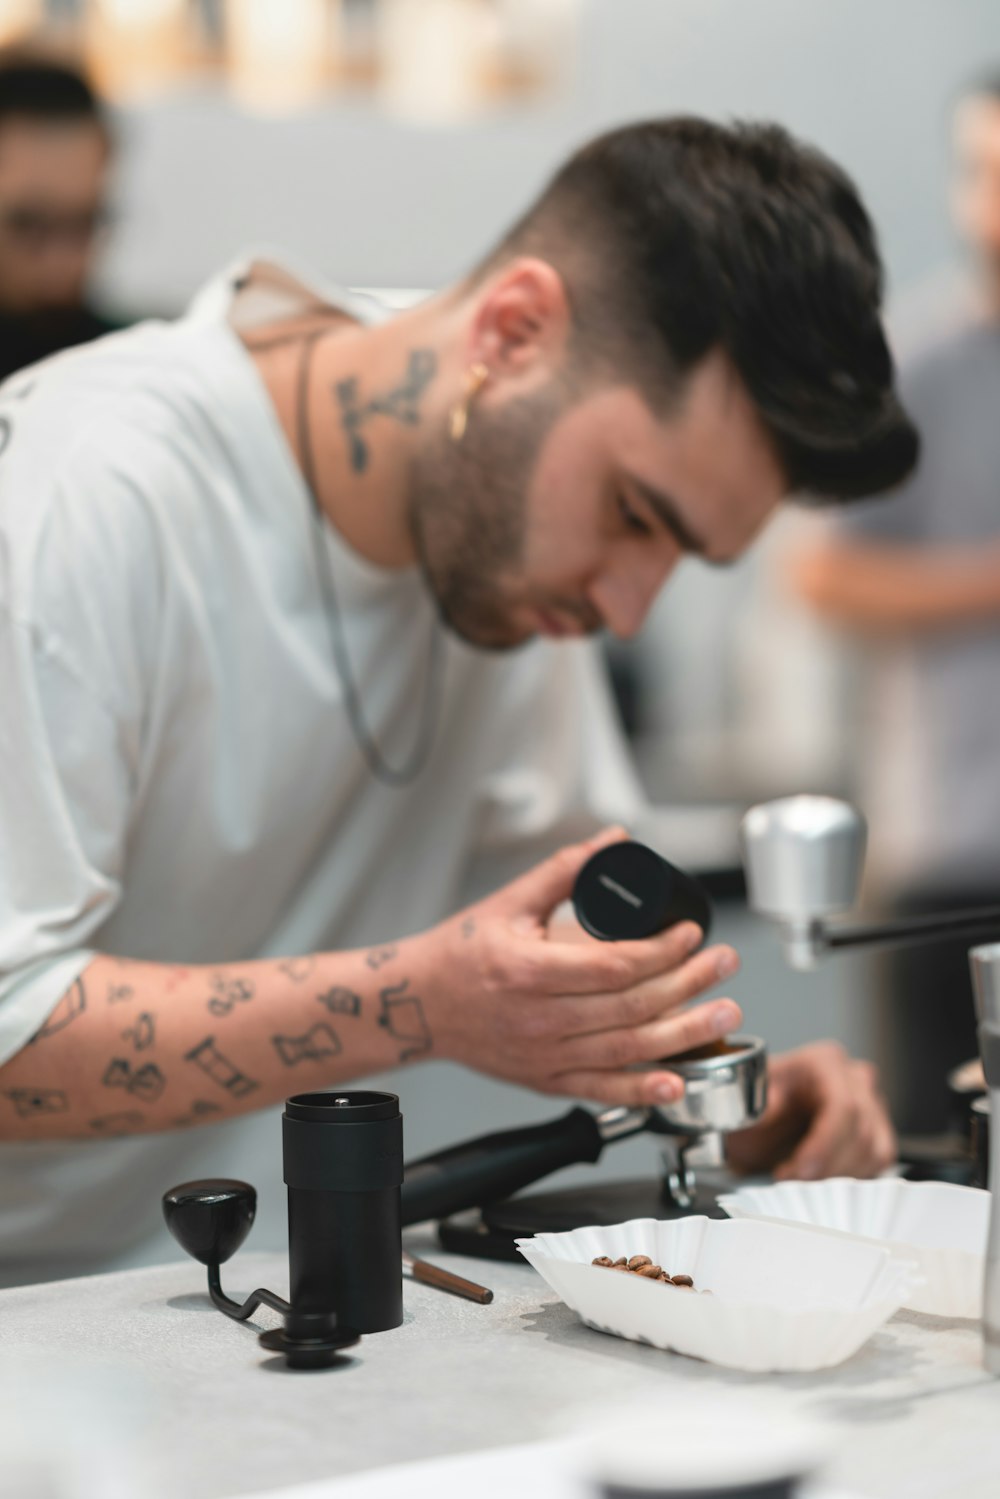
[{"x": 494, "y": 1166}]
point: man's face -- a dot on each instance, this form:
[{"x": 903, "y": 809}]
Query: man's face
[
  {"x": 53, "y": 180},
  {"x": 976, "y": 189},
  {"x": 558, "y": 518}
]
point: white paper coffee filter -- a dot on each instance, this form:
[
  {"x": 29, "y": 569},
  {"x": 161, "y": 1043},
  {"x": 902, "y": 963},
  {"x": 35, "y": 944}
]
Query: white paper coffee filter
[
  {"x": 782, "y": 1298},
  {"x": 940, "y": 1226}
]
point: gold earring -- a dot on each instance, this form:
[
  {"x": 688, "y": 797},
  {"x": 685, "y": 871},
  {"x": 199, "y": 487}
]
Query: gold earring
[{"x": 459, "y": 419}]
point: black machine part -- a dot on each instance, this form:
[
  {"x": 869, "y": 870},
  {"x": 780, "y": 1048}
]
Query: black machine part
[
  {"x": 491, "y": 1233},
  {"x": 627, "y": 892},
  {"x": 497, "y": 1165}
]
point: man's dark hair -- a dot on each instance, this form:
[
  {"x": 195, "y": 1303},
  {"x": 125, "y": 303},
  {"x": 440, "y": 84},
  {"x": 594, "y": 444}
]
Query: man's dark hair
[
  {"x": 37, "y": 88},
  {"x": 677, "y": 236}
]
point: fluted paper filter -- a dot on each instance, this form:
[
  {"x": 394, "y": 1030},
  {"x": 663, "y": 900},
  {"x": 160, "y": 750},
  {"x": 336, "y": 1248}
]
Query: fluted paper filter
[
  {"x": 782, "y": 1298},
  {"x": 940, "y": 1226}
]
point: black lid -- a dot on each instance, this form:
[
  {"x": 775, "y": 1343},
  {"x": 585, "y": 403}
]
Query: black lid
[
  {"x": 628, "y": 891},
  {"x": 342, "y": 1106}
]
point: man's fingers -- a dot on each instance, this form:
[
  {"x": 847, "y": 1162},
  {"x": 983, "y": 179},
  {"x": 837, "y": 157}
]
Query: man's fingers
[
  {"x": 537, "y": 894},
  {"x": 657, "y": 1041},
  {"x": 825, "y": 1139},
  {"x": 569, "y": 1015},
  {"x": 611, "y": 967},
  {"x": 868, "y": 1144},
  {"x": 633, "y": 1090}
]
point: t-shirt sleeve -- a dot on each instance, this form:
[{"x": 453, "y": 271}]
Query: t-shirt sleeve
[
  {"x": 64, "y": 799},
  {"x": 564, "y": 769}
]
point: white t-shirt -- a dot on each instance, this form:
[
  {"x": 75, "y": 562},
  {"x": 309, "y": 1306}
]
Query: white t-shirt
[{"x": 179, "y": 781}]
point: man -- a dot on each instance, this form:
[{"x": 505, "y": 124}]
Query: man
[
  {"x": 917, "y": 578},
  {"x": 55, "y": 160},
  {"x": 263, "y": 729}
]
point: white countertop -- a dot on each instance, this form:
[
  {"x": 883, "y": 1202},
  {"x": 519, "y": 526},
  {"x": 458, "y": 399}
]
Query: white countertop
[{"x": 915, "y": 1415}]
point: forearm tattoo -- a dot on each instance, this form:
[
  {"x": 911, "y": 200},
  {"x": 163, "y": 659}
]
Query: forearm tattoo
[
  {"x": 199, "y": 1113},
  {"x": 379, "y": 956},
  {"x": 145, "y": 1083},
  {"x": 142, "y": 1033},
  {"x": 297, "y": 969},
  {"x": 340, "y": 1001},
  {"x": 220, "y": 1069},
  {"x": 403, "y": 1017},
  {"x": 319, "y": 1042},
  {"x": 228, "y": 993},
  {"x": 72, "y": 1004},
  {"x": 30, "y": 1102},
  {"x": 402, "y": 403}
]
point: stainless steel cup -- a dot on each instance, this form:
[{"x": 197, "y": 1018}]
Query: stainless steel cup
[
  {"x": 725, "y": 1086},
  {"x": 984, "y": 964}
]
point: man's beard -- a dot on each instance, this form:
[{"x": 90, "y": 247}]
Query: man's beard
[{"x": 468, "y": 516}]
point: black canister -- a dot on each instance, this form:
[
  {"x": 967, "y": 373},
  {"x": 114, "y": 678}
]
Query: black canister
[
  {"x": 343, "y": 1166},
  {"x": 627, "y": 892}
]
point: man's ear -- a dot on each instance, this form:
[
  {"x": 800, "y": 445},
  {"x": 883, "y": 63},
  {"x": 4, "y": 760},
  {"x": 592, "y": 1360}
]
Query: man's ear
[{"x": 521, "y": 321}]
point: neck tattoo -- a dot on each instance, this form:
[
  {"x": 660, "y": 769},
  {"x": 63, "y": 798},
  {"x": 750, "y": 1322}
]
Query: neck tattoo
[{"x": 401, "y": 403}]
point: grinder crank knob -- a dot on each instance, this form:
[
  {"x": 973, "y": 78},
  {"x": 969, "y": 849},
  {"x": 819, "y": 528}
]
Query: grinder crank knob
[{"x": 210, "y": 1219}]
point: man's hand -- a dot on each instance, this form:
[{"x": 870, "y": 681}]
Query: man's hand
[
  {"x": 505, "y": 995},
  {"x": 824, "y": 1117}
]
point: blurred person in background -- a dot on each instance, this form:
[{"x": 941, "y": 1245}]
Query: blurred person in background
[
  {"x": 272, "y": 769},
  {"x": 917, "y": 578},
  {"x": 55, "y": 163}
]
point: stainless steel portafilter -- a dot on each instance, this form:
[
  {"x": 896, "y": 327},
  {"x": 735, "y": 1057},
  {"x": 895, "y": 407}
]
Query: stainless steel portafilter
[{"x": 803, "y": 857}]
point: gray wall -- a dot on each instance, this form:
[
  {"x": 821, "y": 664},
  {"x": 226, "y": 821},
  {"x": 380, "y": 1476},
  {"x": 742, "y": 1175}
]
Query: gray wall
[{"x": 372, "y": 203}]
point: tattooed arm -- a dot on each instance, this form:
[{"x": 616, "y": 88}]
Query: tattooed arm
[{"x": 137, "y": 1047}]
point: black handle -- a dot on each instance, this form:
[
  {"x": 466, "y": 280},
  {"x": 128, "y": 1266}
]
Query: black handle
[
  {"x": 909, "y": 929},
  {"x": 494, "y": 1166}
]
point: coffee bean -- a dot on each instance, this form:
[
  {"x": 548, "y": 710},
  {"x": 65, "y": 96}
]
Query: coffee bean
[{"x": 641, "y": 1264}]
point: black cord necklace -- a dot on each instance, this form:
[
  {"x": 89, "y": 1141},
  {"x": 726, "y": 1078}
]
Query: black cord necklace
[{"x": 409, "y": 770}]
